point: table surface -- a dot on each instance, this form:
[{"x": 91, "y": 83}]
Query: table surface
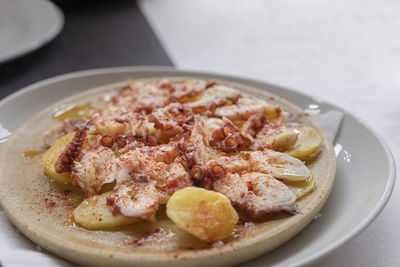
[{"x": 347, "y": 52}]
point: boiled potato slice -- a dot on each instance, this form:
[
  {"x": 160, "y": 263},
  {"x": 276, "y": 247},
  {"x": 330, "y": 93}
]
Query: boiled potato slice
[
  {"x": 205, "y": 214},
  {"x": 50, "y": 157},
  {"x": 94, "y": 214},
  {"x": 308, "y": 145},
  {"x": 302, "y": 188},
  {"x": 310, "y": 157}
]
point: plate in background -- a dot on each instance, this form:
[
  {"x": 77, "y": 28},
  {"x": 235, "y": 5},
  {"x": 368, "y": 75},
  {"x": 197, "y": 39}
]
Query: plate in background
[
  {"x": 365, "y": 166},
  {"x": 26, "y": 25}
]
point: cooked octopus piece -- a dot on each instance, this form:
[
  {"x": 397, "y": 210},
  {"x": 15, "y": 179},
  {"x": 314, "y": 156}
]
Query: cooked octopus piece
[
  {"x": 275, "y": 136},
  {"x": 115, "y": 121},
  {"x": 198, "y": 150},
  {"x": 223, "y": 135},
  {"x": 213, "y": 128},
  {"x": 245, "y": 107},
  {"x": 140, "y": 96},
  {"x": 125, "y": 96},
  {"x": 231, "y": 164},
  {"x": 187, "y": 90},
  {"x": 171, "y": 118},
  {"x": 213, "y": 97},
  {"x": 135, "y": 200},
  {"x": 253, "y": 125},
  {"x": 162, "y": 164},
  {"x": 256, "y": 193},
  {"x": 71, "y": 151},
  {"x": 177, "y": 177},
  {"x": 276, "y": 164},
  {"x": 151, "y": 96},
  {"x": 96, "y": 167}
]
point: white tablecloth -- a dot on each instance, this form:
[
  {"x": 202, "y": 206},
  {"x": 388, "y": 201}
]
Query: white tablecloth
[{"x": 347, "y": 52}]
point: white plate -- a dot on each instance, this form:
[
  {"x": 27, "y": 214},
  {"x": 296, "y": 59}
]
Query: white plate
[
  {"x": 365, "y": 166},
  {"x": 26, "y": 25}
]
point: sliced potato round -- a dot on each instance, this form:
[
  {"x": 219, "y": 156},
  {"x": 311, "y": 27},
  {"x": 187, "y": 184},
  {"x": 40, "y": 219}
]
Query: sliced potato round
[
  {"x": 94, "y": 214},
  {"x": 308, "y": 145},
  {"x": 312, "y": 156},
  {"x": 205, "y": 214},
  {"x": 301, "y": 188},
  {"x": 50, "y": 157}
]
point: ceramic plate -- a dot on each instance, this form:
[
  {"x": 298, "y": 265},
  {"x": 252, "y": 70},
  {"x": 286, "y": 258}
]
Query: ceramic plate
[
  {"x": 26, "y": 25},
  {"x": 365, "y": 167}
]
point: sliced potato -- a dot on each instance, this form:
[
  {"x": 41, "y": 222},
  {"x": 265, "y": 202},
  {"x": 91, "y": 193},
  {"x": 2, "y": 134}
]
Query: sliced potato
[
  {"x": 94, "y": 214},
  {"x": 50, "y": 157},
  {"x": 312, "y": 156},
  {"x": 308, "y": 145},
  {"x": 205, "y": 214},
  {"x": 301, "y": 188}
]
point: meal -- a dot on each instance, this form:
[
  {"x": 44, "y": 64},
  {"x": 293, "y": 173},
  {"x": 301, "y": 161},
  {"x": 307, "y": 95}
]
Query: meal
[{"x": 181, "y": 165}]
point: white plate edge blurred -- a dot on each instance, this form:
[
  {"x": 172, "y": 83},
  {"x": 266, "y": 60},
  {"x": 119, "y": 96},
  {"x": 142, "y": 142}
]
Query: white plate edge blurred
[{"x": 44, "y": 35}]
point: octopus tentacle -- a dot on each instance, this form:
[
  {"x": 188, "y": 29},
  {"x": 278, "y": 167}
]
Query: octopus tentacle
[{"x": 71, "y": 151}]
